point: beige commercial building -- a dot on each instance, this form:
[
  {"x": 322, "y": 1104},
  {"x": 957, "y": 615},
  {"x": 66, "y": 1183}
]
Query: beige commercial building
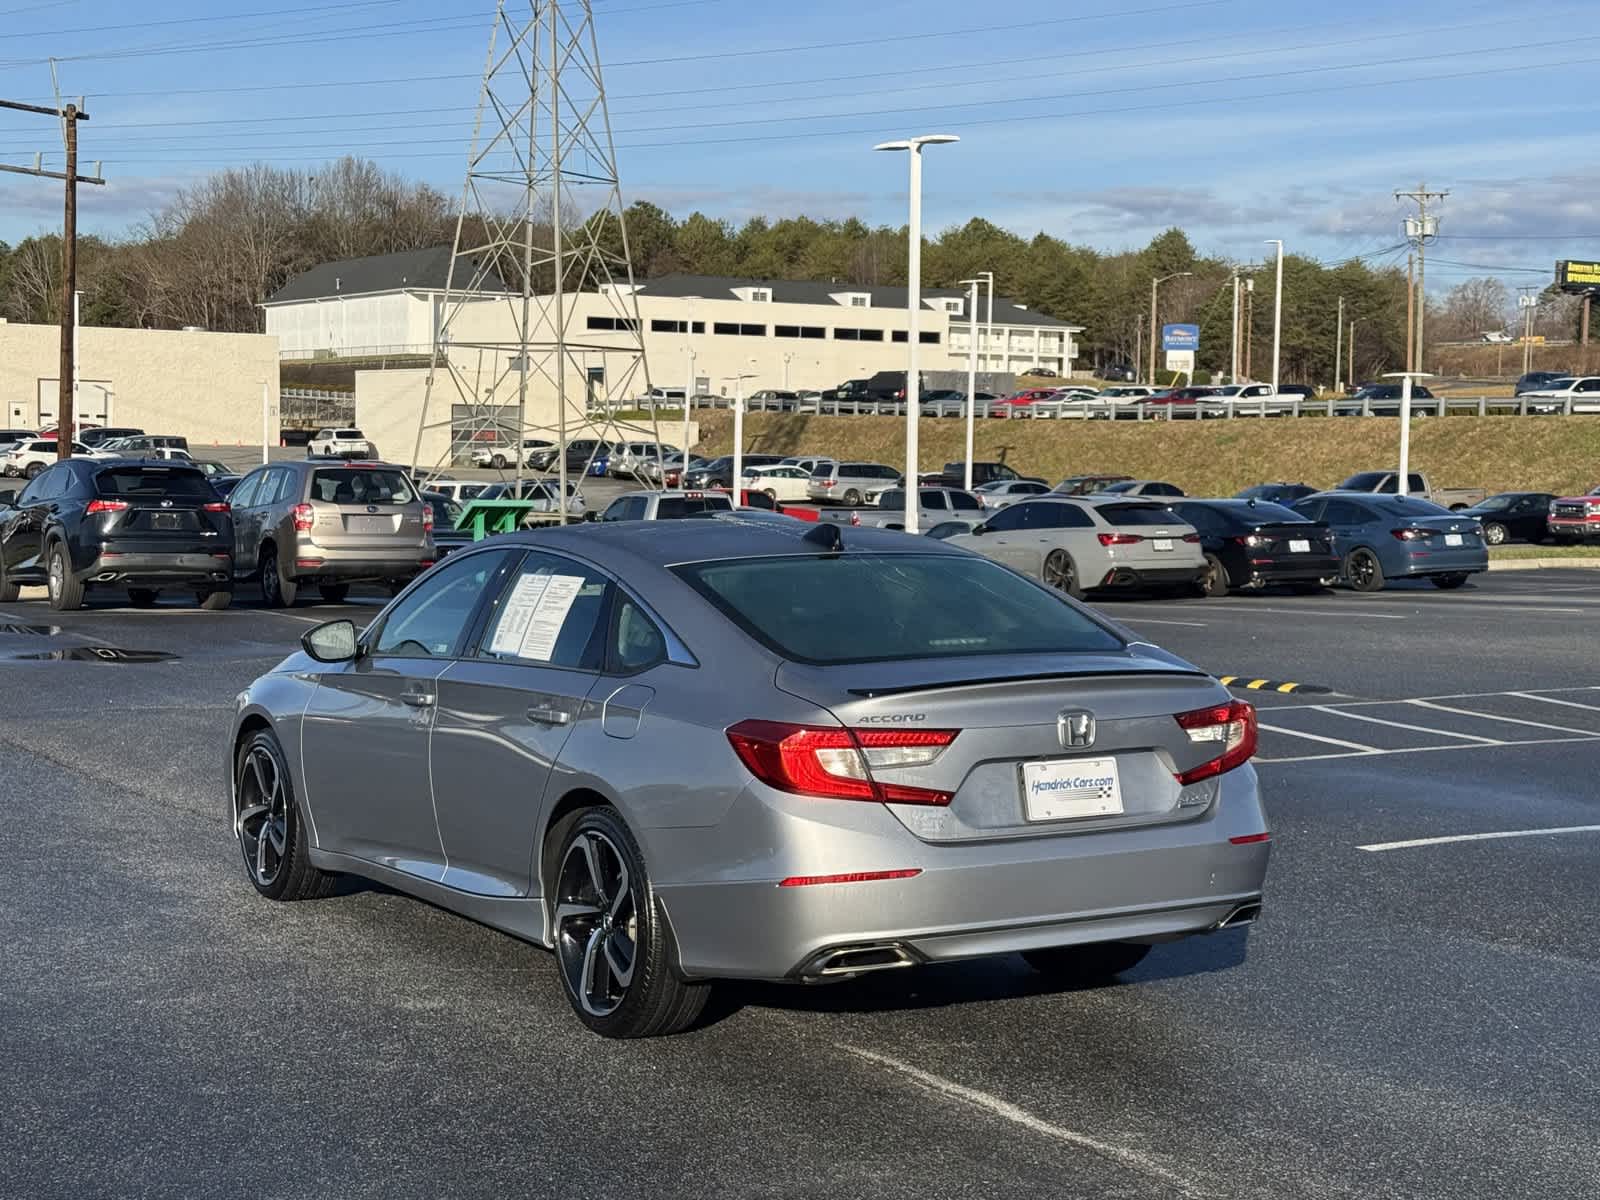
[{"x": 206, "y": 387}]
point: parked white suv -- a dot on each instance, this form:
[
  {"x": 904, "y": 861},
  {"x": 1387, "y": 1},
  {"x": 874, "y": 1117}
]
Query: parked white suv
[
  {"x": 341, "y": 443},
  {"x": 27, "y": 459}
]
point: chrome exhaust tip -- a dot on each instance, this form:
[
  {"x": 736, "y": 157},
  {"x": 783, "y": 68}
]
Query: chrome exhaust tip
[
  {"x": 1243, "y": 914},
  {"x": 847, "y": 962}
]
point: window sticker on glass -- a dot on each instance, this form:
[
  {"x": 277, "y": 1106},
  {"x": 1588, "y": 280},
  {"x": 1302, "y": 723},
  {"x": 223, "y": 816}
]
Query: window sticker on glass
[{"x": 533, "y": 616}]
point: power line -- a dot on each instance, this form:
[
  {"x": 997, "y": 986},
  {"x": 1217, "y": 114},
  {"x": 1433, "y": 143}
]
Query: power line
[{"x": 244, "y": 16}]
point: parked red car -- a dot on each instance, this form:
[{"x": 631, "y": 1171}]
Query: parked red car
[{"x": 1182, "y": 399}]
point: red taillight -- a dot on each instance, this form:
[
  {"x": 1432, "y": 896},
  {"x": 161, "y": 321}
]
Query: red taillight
[
  {"x": 218, "y": 506},
  {"x": 304, "y": 517},
  {"x": 100, "y": 506},
  {"x": 1410, "y": 535},
  {"x": 1249, "y": 839},
  {"x": 1230, "y": 727},
  {"x": 849, "y": 877},
  {"x": 1253, "y": 540},
  {"x": 837, "y": 763},
  {"x": 855, "y": 518},
  {"x": 1120, "y": 539},
  {"x": 427, "y": 518},
  {"x": 828, "y": 483},
  {"x": 1191, "y": 537}
]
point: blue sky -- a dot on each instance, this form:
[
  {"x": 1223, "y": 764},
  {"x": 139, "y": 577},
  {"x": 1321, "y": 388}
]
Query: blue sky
[{"x": 1101, "y": 121}]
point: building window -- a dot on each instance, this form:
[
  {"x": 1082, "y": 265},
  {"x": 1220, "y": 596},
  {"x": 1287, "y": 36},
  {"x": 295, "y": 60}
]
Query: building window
[
  {"x": 659, "y": 326},
  {"x": 951, "y": 306},
  {"x": 733, "y": 329},
  {"x": 613, "y": 324},
  {"x": 860, "y": 301},
  {"x": 760, "y": 295},
  {"x": 813, "y": 332},
  {"x": 858, "y": 335},
  {"x": 924, "y": 337},
  {"x": 726, "y": 327},
  {"x": 799, "y": 331}
]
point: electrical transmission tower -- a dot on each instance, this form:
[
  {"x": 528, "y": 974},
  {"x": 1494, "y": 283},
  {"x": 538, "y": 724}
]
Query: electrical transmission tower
[{"x": 539, "y": 332}]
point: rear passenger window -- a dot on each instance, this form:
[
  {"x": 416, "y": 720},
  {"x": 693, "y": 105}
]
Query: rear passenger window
[
  {"x": 636, "y": 642},
  {"x": 552, "y": 614},
  {"x": 245, "y": 494}
]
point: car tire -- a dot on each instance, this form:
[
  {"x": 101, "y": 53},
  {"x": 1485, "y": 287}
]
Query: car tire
[
  {"x": 1451, "y": 581},
  {"x": 615, "y": 952},
  {"x": 142, "y": 597},
  {"x": 214, "y": 601},
  {"x": 1362, "y": 571},
  {"x": 1495, "y": 534},
  {"x": 268, "y": 827},
  {"x": 1214, "y": 582},
  {"x": 65, "y": 589},
  {"x": 334, "y": 593},
  {"x": 275, "y": 589},
  {"x": 1061, "y": 573},
  {"x": 34, "y": 470},
  {"x": 1092, "y": 963},
  {"x": 498, "y": 462},
  {"x": 8, "y": 591},
  {"x": 770, "y": 494},
  {"x": 852, "y": 499}
]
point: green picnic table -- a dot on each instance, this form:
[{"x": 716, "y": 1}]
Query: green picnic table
[{"x": 483, "y": 518}]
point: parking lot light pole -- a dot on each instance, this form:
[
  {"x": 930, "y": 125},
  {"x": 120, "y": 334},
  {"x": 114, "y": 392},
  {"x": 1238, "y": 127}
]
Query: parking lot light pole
[
  {"x": 913, "y": 147},
  {"x": 972, "y": 370},
  {"x": 738, "y": 434},
  {"x": 1405, "y": 378},
  {"x": 688, "y": 394},
  {"x": 988, "y": 319},
  {"x": 1277, "y": 315},
  {"x": 1154, "y": 284}
]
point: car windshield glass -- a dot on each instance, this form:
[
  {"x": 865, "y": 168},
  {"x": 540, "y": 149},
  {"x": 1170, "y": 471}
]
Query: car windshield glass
[
  {"x": 1498, "y": 503},
  {"x": 857, "y": 608},
  {"x": 1262, "y": 511},
  {"x": 1364, "y": 482},
  {"x": 361, "y": 485},
  {"x": 1139, "y": 514},
  {"x": 670, "y": 508},
  {"x": 152, "y": 481}
]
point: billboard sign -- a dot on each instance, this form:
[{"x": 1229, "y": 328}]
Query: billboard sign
[
  {"x": 1575, "y": 276},
  {"x": 1180, "y": 337},
  {"x": 1181, "y": 361}
]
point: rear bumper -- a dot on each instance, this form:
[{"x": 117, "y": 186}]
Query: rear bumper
[
  {"x": 971, "y": 899},
  {"x": 1445, "y": 562},
  {"x": 159, "y": 570},
  {"x": 1300, "y": 568},
  {"x": 311, "y": 563},
  {"x": 1134, "y": 577}
]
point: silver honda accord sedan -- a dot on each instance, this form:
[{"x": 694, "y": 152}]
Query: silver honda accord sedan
[{"x": 676, "y": 752}]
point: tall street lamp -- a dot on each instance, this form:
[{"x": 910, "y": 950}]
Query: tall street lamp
[
  {"x": 1154, "y": 284},
  {"x": 913, "y": 147},
  {"x": 972, "y": 368},
  {"x": 738, "y": 433},
  {"x": 1406, "y": 378},
  {"x": 988, "y": 320},
  {"x": 1277, "y": 316}
]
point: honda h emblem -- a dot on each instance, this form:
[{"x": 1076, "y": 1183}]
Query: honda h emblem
[{"x": 1075, "y": 728}]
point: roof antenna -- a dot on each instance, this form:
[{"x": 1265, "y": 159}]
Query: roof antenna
[{"x": 827, "y": 536}]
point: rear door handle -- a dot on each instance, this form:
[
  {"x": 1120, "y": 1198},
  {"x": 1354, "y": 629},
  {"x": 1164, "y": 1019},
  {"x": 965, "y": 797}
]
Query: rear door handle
[
  {"x": 546, "y": 714},
  {"x": 418, "y": 698}
]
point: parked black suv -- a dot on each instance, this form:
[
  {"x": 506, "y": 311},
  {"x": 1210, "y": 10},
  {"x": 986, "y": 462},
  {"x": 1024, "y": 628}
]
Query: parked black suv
[
  {"x": 139, "y": 524},
  {"x": 95, "y": 438},
  {"x": 1256, "y": 544}
]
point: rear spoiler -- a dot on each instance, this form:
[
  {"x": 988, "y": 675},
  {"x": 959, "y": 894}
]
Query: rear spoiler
[{"x": 906, "y": 689}]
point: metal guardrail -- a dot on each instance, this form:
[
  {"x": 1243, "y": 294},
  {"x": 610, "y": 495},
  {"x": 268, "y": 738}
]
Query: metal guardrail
[
  {"x": 1064, "y": 410},
  {"x": 398, "y": 350}
]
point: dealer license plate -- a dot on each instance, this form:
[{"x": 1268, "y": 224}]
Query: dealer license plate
[
  {"x": 1299, "y": 546},
  {"x": 1067, "y": 788},
  {"x": 1452, "y": 539},
  {"x": 1161, "y": 543},
  {"x": 368, "y": 525}
]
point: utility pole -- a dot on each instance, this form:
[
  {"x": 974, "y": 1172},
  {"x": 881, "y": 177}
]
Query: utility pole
[
  {"x": 1529, "y": 303},
  {"x": 1420, "y": 230},
  {"x": 69, "y": 116},
  {"x": 1233, "y": 368},
  {"x": 1338, "y": 344},
  {"x": 1351, "y": 351},
  {"x": 1583, "y": 337},
  {"x": 1277, "y": 317},
  {"x": 1249, "y": 324}
]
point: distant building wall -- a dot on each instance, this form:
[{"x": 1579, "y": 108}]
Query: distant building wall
[{"x": 204, "y": 386}]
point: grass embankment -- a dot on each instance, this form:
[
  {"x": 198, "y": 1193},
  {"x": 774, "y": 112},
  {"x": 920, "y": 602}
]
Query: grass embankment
[
  {"x": 1582, "y": 552},
  {"x": 1209, "y": 458}
]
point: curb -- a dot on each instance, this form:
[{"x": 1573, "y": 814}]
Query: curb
[
  {"x": 1273, "y": 685},
  {"x": 1544, "y": 564}
]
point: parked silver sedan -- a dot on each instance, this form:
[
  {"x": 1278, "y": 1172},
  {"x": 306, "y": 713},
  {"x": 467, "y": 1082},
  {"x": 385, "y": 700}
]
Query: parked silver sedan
[
  {"x": 685, "y": 751},
  {"x": 1081, "y": 543}
]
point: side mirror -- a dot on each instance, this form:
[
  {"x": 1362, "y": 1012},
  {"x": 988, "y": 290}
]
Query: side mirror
[
  {"x": 980, "y": 528},
  {"x": 591, "y": 516},
  {"x": 8, "y": 498},
  {"x": 332, "y": 642}
]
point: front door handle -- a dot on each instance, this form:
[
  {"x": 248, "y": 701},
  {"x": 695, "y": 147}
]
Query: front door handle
[
  {"x": 543, "y": 714},
  {"x": 418, "y": 698}
]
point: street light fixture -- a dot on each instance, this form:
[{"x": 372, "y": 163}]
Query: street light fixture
[
  {"x": 972, "y": 368},
  {"x": 1277, "y": 316},
  {"x": 1406, "y": 378},
  {"x": 738, "y": 433},
  {"x": 1154, "y": 284},
  {"x": 913, "y": 147}
]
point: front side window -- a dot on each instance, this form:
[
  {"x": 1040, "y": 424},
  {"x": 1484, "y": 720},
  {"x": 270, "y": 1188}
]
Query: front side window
[
  {"x": 551, "y": 614},
  {"x": 431, "y": 621},
  {"x": 1014, "y": 517},
  {"x": 861, "y": 608}
]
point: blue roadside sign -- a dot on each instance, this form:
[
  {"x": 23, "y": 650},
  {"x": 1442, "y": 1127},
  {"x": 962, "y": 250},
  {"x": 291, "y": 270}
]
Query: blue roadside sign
[{"x": 1180, "y": 337}]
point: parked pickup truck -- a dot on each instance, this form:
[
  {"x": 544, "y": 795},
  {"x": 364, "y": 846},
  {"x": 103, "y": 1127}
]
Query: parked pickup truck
[
  {"x": 954, "y": 475},
  {"x": 1576, "y": 518},
  {"x": 665, "y": 506},
  {"x": 938, "y": 506},
  {"x": 1388, "y": 483}
]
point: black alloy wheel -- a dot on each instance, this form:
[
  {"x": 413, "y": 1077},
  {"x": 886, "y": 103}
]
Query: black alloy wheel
[
  {"x": 266, "y": 823},
  {"x": 1362, "y": 571},
  {"x": 1061, "y": 573}
]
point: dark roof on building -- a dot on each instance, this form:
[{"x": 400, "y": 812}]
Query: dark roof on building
[
  {"x": 787, "y": 291},
  {"x": 422, "y": 270}
]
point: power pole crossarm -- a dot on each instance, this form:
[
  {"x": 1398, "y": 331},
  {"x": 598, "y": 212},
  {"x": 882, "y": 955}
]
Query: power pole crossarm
[{"x": 1419, "y": 231}]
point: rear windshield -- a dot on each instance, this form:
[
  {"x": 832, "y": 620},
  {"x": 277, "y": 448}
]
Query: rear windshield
[
  {"x": 152, "y": 481},
  {"x": 348, "y": 434},
  {"x": 1139, "y": 514},
  {"x": 857, "y": 608},
  {"x": 1364, "y": 482},
  {"x": 672, "y": 508},
  {"x": 361, "y": 485}
]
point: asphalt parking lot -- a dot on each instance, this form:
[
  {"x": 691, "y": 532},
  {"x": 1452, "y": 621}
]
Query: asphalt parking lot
[{"x": 1408, "y": 1020}]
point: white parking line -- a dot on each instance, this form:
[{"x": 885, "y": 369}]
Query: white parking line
[
  {"x": 1594, "y": 690},
  {"x": 1553, "y": 700},
  {"x": 1301, "y": 758},
  {"x": 1478, "y": 837},
  {"x": 1316, "y": 737},
  {"x": 1133, "y": 1159},
  {"x": 1153, "y": 621},
  {"x": 1245, "y": 609},
  {"x": 1354, "y": 716},
  {"x": 1466, "y": 712}
]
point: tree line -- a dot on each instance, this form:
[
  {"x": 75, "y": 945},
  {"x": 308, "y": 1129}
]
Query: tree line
[{"x": 222, "y": 246}]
